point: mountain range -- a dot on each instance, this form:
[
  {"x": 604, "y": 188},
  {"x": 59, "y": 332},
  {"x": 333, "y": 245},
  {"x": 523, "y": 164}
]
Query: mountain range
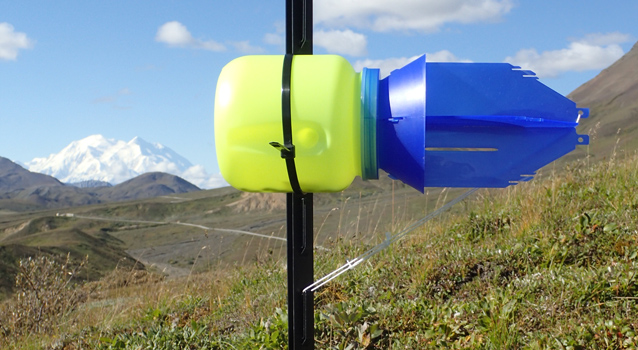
[
  {"x": 21, "y": 189},
  {"x": 99, "y": 160}
]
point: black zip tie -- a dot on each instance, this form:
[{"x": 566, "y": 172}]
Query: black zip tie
[{"x": 288, "y": 148}]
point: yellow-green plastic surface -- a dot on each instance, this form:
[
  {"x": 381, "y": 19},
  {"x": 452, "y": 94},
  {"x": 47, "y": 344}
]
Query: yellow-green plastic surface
[{"x": 326, "y": 126}]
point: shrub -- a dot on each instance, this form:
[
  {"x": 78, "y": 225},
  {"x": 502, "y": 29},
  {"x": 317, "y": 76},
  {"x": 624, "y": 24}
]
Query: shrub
[{"x": 44, "y": 292}]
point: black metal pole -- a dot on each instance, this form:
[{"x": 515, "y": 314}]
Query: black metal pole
[
  {"x": 299, "y": 27},
  {"x": 299, "y": 212},
  {"x": 300, "y": 272}
]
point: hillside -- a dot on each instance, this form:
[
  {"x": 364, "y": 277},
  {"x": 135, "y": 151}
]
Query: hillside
[
  {"x": 547, "y": 264},
  {"x": 13, "y": 177},
  {"x": 617, "y": 84},
  {"x": 612, "y": 97}
]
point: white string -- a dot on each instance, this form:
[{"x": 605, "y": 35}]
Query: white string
[{"x": 389, "y": 239}]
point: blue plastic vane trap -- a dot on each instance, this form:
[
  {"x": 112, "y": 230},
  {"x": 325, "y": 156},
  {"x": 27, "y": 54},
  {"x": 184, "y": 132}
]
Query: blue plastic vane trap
[{"x": 469, "y": 124}]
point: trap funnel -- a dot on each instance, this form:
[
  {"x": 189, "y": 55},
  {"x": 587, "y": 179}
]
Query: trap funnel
[{"x": 471, "y": 124}]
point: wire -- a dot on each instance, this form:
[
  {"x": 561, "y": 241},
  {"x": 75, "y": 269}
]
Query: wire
[{"x": 389, "y": 239}]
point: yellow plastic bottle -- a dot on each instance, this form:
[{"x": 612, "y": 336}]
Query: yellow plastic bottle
[{"x": 326, "y": 123}]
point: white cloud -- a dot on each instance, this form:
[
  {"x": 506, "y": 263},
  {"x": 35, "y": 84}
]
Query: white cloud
[
  {"x": 175, "y": 34},
  {"x": 444, "y": 56},
  {"x": 389, "y": 64},
  {"x": 421, "y": 15},
  {"x": 599, "y": 39},
  {"x": 198, "y": 176},
  {"x": 278, "y": 38},
  {"x": 385, "y": 65},
  {"x": 594, "y": 51},
  {"x": 345, "y": 42},
  {"x": 274, "y": 39},
  {"x": 12, "y": 41},
  {"x": 246, "y": 47}
]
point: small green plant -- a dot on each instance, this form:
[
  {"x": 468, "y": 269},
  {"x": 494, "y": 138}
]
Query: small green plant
[
  {"x": 482, "y": 226},
  {"x": 164, "y": 337},
  {"x": 350, "y": 327},
  {"x": 271, "y": 333}
]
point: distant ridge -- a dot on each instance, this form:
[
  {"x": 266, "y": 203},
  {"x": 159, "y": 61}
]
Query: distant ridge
[
  {"x": 147, "y": 186},
  {"x": 90, "y": 184},
  {"x": 23, "y": 190}
]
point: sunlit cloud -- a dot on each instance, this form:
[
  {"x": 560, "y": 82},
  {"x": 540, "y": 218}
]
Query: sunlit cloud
[
  {"x": 276, "y": 39},
  {"x": 246, "y": 47},
  {"x": 344, "y": 42},
  {"x": 175, "y": 34},
  {"x": 198, "y": 176},
  {"x": 11, "y": 42},
  {"x": 594, "y": 51},
  {"x": 418, "y": 15}
]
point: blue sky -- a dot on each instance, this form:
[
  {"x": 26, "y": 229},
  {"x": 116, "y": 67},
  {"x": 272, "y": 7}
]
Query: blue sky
[{"x": 70, "y": 69}]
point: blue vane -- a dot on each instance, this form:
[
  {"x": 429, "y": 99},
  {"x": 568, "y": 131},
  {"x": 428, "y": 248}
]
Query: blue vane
[{"x": 471, "y": 124}]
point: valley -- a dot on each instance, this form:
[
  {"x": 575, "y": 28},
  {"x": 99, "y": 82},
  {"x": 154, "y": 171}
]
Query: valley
[{"x": 199, "y": 231}]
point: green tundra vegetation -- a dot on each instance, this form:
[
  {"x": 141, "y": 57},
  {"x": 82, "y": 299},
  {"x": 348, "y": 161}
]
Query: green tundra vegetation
[{"x": 548, "y": 264}]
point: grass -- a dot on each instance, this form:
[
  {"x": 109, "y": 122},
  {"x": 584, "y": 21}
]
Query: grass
[{"x": 550, "y": 264}]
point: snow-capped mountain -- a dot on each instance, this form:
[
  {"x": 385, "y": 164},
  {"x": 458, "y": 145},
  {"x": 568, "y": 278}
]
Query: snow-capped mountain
[{"x": 114, "y": 161}]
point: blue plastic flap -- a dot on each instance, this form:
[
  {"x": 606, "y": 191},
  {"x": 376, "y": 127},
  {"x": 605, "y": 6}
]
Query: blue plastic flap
[
  {"x": 492, "y": 156},
  {"x": 493, "y": 89},
  {"x": 493, "y": 125},
  {"x": 401, "y": 124}
]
